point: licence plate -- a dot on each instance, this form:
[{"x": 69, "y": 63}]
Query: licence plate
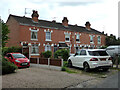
[
  {"x": 24, "y": 63},
  {"x": 104, "y": 63}
]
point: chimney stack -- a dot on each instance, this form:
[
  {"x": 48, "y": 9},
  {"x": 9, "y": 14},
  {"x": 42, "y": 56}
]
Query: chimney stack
[
  {"x": 65, "y": 22},
  {"x": 87, "y": 25},
  {"x": 35, "y": 16}
]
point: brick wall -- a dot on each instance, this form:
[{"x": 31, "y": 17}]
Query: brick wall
[
  {"x": 14, "y": 28},
  {"x": 21, "y": 33}
]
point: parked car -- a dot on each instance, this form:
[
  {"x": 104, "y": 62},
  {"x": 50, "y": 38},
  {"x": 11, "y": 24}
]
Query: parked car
[
  {"x": 90, "y": 59},
  {"x": 113, "y": 50},
  {"x": 18, "y": 59}
]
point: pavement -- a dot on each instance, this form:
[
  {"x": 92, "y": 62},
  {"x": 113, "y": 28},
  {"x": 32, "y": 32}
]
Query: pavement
[
  {"x": 115, "y": 66},
  {"x": 46, "y": 66},
  {"x": 109, "y": 82}
]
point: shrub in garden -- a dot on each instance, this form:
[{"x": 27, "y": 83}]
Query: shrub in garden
[
  {"x": 8, "y": 67},
  {"x": 6, "y": 50},
  {"x": 47, "y": 54},
  {"x": 103, "y": 47},
  {"x": 63, "y": 53}
]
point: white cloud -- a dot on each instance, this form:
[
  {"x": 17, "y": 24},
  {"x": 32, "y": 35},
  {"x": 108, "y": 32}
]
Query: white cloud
[{"x": 103, "y": 14}]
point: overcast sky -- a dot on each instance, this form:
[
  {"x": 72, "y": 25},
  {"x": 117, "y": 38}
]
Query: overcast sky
[{"x": 102, "y": 14}]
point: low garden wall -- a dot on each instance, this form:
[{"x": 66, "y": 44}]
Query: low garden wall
[{"x": 47, "y": 61}]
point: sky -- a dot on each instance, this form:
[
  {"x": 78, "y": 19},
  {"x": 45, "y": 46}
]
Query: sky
[{"x": 102, "y": 14}]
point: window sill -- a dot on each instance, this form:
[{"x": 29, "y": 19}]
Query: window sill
[
  {"x": 67, "y": 41},
  {"x": 78, "y": 42},
  {"x": 48, "y": 40},
  {"x": 35, "y": 39},
  {"x": 92, "y": 42},
  {"x": 99, "y": 43},
  {"x": 34, "y": 54}
]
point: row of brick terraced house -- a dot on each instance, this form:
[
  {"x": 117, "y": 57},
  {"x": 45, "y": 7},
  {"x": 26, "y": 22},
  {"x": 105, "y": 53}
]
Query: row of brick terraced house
[{"x": 37, "y": 36}]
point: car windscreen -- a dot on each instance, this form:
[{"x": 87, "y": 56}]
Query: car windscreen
[
  {"x": 98, "y": 53},
  {"x": 18, "y": 56}
]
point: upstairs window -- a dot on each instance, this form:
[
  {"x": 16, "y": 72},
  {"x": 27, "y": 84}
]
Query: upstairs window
[
  {"x": 77, "y": 38},
  {"x": 33, "y": 35},
  {"x": 99, "y": 39},
  {"x": 67, "y": 37},
  {"x": 35, "y": 49},
  {"x": 48, "y": 36},
  {"x": 91, "y": 39}
]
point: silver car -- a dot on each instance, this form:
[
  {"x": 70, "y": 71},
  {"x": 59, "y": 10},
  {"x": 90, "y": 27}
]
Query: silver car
[{"x": 113, "y": 50}]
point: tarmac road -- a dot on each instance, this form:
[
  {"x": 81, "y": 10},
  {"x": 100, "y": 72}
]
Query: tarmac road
[{"x": 109, "y": 82}]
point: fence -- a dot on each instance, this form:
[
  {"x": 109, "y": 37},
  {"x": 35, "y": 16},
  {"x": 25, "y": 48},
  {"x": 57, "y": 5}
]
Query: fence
[{"x": 47, "y": 61}]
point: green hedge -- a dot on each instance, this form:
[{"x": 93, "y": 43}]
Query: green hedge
[
  {"x": 63, "y": 53},
  {"x": 47, "y": 54},
  {"x": 8, "y": 67},
  {"x": 6, "y": 50}
]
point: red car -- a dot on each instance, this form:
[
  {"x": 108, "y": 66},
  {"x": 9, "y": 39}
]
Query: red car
[{"x": 18, "y": 59}]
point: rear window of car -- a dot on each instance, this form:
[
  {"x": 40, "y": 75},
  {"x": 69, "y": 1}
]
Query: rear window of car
[
  {"x": 98, "y": 53},
  {"x": 18, "y": 56}
]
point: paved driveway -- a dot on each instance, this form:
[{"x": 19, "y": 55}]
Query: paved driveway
[{"x": 36, "y": 77}]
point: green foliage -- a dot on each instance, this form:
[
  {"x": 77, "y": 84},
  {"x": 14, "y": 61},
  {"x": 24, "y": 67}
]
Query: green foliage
[
  {"x": 5, "y": 32},
  {"x": 68, "y": 70},
  {"x": 8, "y": 67},
  {"x": 47, "y": 54},
  {"x": 103, "y": 47},
  {"x": 63, "y": 69},
  {"x": 111, "y": 40},
  {"x": 65, "y": 63},
  {"x": 63, "y": 53},
  {"x": 6, "y": 50}
]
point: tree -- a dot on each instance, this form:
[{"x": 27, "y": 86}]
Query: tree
[
  {"x": 5, "y": 32},
  {"x": 111, "y": 40}
]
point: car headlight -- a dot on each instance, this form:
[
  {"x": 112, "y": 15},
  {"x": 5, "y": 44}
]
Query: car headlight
[
  {"x": 17, "y": 60},
  {"x": 28, "y": 60}
]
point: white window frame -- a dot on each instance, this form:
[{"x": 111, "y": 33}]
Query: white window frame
[
  {"x": 78, "y": 37},
  {"x": 36, "y": 34},
  {"x": 91, "y": 39},
  {"x": 67, "y": 36},
  {"x": 49, "y": 36},
  {"x": 99, "y": 41},
  {"x": 36, "y": 48},
  {"x": 47, "y": 47}
]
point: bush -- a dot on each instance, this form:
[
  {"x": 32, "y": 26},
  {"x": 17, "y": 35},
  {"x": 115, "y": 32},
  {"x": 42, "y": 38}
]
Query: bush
[
  {"x": 63, "y": 53},
  {"x": 8, "y": 67},
  {"x": 103, "y": 47},
  {"x": 6, "y": 50},
  {"x": 47, "y": 54}
]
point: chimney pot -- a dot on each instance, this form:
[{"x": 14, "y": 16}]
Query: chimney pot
[
  {"x": 87, "y": 24},
  {"x": 35, "y": 16},
  {"x": 54, "y": 21},
  {"x": 65, "y": 22}
]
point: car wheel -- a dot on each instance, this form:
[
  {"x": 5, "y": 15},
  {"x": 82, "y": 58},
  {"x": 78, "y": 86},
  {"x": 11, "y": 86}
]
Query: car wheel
[
  {"x": 69, "y": 63},
  {"x": 86, "y": 67},
  {"x": 105, "y": 69}
]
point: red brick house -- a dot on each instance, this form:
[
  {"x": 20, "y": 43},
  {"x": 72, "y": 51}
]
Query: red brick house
[{"x": 40, "y": 35}]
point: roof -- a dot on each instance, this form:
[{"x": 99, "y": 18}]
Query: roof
[{"x": 53, "y": 25}]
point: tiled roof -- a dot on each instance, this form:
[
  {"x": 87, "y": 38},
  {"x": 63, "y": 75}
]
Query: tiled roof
[{"x": 54, "y": 25}]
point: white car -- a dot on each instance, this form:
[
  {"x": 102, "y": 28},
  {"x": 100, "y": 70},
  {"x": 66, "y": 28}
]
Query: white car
[
  {"x": 90, "y": 59},
  {"x": 113, "y": 50}
]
